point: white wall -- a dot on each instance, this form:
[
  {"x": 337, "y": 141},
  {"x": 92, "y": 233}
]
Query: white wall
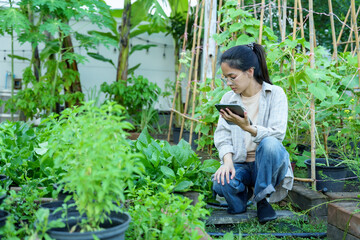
[{"x": 93, "y": 73}]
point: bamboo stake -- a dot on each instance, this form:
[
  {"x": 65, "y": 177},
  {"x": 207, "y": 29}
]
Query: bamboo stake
[
  {"x": 354, "y": 18},
  {"x": 191, "y": 67},
  {"x": 340, "y": 43},
  {"x": 343, "y": 26},
  {"x": 312, "y": 105},
  {"x": 301, "y": 24},
  {"x": 261, "y": 20},
  {"x": 292, "y": 69},
  {"x": 333, "y": 30},
  {"x": 255, "y": 14},
  {"x": 186, "y": 116},
  {"x": 178, "y": 75},
  {"x": 351, "y": 31},
  {"x": 216, "y": 48},
  {"x": 283, "y": 32},
  {"x": 195, "y": 80},
  {"x": 349, "y": 39},
  {"x": 352, "y": 51},
  {"x": 270, "y": 13},
  {"x": 284, "y": 21},
  {"x": 304, "y": 179},
  {"x": 279, "y": 17}
]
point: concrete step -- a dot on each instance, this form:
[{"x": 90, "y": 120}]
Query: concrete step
[{"x": 220, "y": 216}]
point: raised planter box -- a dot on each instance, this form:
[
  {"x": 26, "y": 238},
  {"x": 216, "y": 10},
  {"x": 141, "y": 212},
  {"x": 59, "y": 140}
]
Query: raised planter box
[
  {"x": 343, "y": 220},
  {"x": 305, "y": 198}
]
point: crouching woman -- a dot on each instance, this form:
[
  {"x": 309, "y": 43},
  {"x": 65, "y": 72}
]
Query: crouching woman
[{"x": 253, "y": 160}]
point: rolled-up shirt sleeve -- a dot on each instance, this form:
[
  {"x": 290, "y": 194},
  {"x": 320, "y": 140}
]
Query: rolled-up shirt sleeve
[
  {"x": 222, "y": 138},
  {"x": 277, "y": 118}
]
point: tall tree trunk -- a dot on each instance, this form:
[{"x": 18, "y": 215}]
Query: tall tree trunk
[
  {"x": 37, "y": 65},
  {"x": 122, "y": 69},
  {"x": 35, "y": 50},
  {"x": 75, "y": 85},
  {"x": 178, "y": 102}
]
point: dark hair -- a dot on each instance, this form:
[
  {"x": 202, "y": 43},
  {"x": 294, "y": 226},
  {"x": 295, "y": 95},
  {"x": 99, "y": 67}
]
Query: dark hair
[{"x": 244, "y": 57}]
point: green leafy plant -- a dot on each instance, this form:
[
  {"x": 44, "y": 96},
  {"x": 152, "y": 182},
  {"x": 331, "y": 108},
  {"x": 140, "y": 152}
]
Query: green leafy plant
[
  {"x": 347, "y": 140},
  {"x": 22, "y": 204},
  {"x": 137, "y": 95},
  {"x": 50, "y": 77},
  {"x": 207, "y": 113},
  {"x": 163, "y": 215},
  {"x": 177, "y": 164},
  {"x": 89, "y": 145},
  {"x": 240, "y": 27},
  {"x": 19, "y": 158},
  {"x": 330, "y": 83}
]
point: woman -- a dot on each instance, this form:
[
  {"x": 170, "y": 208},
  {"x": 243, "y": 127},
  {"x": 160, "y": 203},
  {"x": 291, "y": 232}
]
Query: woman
[{"x": 253, "y": 159}]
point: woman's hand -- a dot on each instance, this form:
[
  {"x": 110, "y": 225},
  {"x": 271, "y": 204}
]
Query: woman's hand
[
  {"x": 227, "y": 170},
  {"x": 244, "y": 122}
]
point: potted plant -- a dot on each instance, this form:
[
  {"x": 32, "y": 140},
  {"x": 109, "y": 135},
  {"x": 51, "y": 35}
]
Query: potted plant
[
  {"x": 88, "y": 144},
  {"x": 3, "y": 214},
  {"x": 347, "y": 144},
  {"x": 138, "y": 96}
]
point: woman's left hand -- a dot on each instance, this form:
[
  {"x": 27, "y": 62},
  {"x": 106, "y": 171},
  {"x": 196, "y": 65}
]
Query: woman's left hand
[{"x": 244, "y": 122}]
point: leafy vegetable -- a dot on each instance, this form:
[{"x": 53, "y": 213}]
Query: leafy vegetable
[
  {"x": 89, "y": 145},
  {"x": 177, "y": 164}
]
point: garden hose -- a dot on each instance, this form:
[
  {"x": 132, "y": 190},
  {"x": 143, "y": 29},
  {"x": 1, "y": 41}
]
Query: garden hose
[{"x": 279, "y": 235}]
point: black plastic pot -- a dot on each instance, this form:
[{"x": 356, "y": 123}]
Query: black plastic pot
[
  {"x": 185, "y": 136},
  {"x": 62, "y": 194},
  {"x": 3, "y": 177},
  {"x": 328, "y": 178},
  {"x": 52, "y": 206},
  {"x": 3, "y": 217},
  {"x": 112, "y": 230}
]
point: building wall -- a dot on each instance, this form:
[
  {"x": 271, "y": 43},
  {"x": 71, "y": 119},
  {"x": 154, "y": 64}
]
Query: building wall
[{"x": 154, "y": 65}]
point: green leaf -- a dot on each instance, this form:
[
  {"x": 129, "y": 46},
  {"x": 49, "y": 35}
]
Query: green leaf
[
  {"x": 51, "y": 4},
  {"x": 12, "y": 18},
  {"x": 182, "y": 186},
  {"x": 18, "y": 57},
  {"x": 105, "y": 35},
  {"x": 210, "y": 165},
  {"x": 53, "y": 26},
  {"x": 244, "y": 39},
  {"x": 178, "y": 7},
  {"x": 132, "y": 69},
  {"x": 167, "y": 171},
  {"x": 236, "y": 27},
  {"x": 101, "y": 58},
  {"x": 140, "y": 47},
  {"x": 318, "y": 92}
]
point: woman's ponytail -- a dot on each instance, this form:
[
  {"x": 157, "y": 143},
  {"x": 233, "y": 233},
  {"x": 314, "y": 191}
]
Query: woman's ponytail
[
  {"x": 260, "y": 53},
  {"x": 244, "y": 57}
]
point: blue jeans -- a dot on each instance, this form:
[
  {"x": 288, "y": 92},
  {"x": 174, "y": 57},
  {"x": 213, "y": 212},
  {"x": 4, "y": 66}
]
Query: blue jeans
[{"x": 268, "y": 170}]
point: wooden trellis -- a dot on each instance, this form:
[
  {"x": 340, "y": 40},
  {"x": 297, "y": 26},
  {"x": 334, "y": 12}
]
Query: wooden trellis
[{"x": 298, "y": 24}]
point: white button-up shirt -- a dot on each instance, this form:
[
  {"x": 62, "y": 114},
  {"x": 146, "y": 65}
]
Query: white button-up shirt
[{"x": 272, "y": 121}]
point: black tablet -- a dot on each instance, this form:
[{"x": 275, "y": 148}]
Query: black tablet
[{"x": 235, "y": 108}]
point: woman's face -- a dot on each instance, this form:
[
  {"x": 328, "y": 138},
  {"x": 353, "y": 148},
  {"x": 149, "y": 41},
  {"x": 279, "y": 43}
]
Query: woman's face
[{"x": 238, "y": 80}]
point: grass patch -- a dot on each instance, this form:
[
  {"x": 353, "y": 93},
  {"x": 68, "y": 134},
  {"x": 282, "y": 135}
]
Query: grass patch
[
  {"x": 278, "y": 226},
  {"x": 300, "y": 223}
]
